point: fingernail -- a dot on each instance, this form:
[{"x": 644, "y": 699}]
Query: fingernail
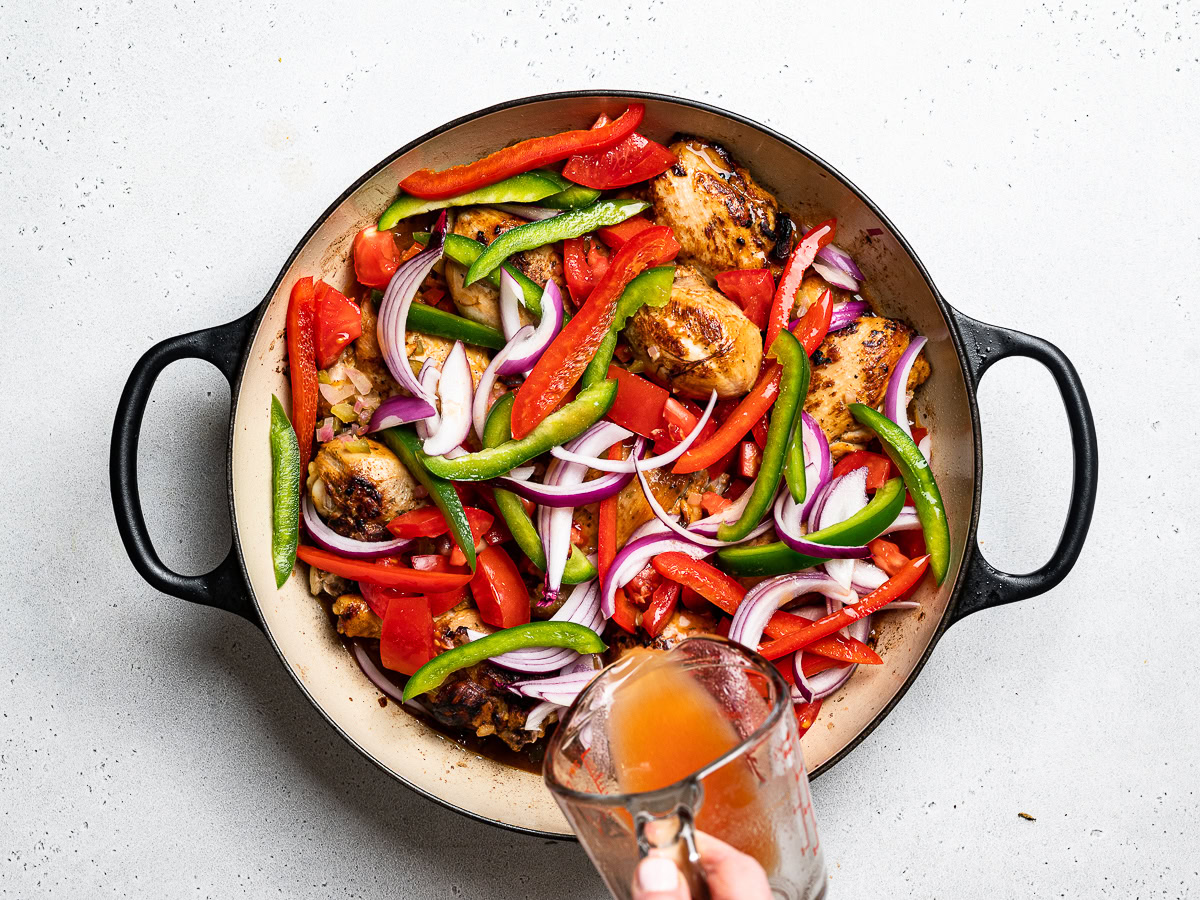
[{"x": 654, "y": 874}]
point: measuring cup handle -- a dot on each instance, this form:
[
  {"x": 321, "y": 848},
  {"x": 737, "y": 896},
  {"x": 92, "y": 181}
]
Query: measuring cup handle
[{"x": 679, "y": 848}]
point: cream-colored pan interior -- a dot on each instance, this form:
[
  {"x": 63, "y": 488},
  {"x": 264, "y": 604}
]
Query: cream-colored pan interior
[{"x": 300, "y": 626}]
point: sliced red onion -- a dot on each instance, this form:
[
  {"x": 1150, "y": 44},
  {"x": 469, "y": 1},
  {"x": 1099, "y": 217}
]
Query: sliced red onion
[
  {"x": 528, "y": 211},
  {"x": 479, "y": 406},
  {"x": 325, "y": 431},
  {"x": 835, "y": 276},
  {"x": 926, "y": 448},
  {"x": 429, "y": 376},
  {"x": 528, "y": 350},
  {"x": 336, "y": 393},
  {"x": 818, "y": 463},
  {"x": 581, "y": 607},
  {"x": 867, "y": 577},
  {"x": 392, "y": 324},
  {"x": 835, "y": 256},
  {"x": 762, "y": 601},
  {"x": 560, "y": 689},
  {"x": 376, "y": 675},
  {"x": 696, "y": 536},
  {"x": 847, "y": 495},
  {"x": 361, "y": 382},
  {"x": 573, "y": 495},
  {"x": 632, "y": 558},
  {"x": 895, "y": 402},
  {"x": 522, "y": 473},
  {"x": 326, "y": 537},
  {"x": 454, "y": 394},
  {"x": 906, "y": 521},
  {"x": 787, "y": 526},
  {"x": 512, "y": 298},
  {"x": 539, "y": 714},
  {"x": 845, "y": 313},
  {"x": 820, "y": 685},
  {"x": 654, "y": 462},
  {"x": 555, "y": 522}
]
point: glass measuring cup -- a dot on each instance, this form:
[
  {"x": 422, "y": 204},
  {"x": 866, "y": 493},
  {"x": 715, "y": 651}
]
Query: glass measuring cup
[{"x": 754, "y": 795}]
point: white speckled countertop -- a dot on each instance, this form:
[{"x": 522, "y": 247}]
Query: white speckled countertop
[{"x": 158, "y": 162}]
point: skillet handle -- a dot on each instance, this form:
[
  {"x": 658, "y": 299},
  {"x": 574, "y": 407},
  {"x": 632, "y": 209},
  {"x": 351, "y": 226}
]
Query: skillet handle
[
  {"x": 223, "y": 587},
  {"x": 986, "y": 586}
]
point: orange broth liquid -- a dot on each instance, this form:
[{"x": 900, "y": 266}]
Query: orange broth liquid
[{"x": 663, "y": 727}]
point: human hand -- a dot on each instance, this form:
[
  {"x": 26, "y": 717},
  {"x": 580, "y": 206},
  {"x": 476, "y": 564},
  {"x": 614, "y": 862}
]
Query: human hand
[{"x": 731, "y": 875}]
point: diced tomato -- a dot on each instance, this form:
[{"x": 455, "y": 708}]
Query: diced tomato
[
  {"x": 759, "y": 431},
  {"x": 752, "y": 290},
  {"x": 736, "y": 488},
  {"x": 723, "y": 627},
  {"x": 713, "y": 503},
  {"x": 428, "y": 521},
  {"x": 642, "y": 586},
  {"x": 662, "y": 605},
  {"x": 910, "y": 543},
  {"x": 617, "y": 236},
  {"x": 749, "y": 459},
  {"x": 806, "y": 714},
  {"x": 639, "y": 404},
  {"x": 376, "y": 257},
  {"x": 339, "y": 321},
  {"x": 585, "y": 260},
  {"x": 406, "y": 637},
  {"x": 918, "y": 434},
  {"x": 878, "y": 467},
  {"x": 499, "y": 592},
  {"x": 606, "y": 527}
]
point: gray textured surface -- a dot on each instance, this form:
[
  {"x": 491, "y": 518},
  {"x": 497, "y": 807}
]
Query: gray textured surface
[{"x": 158, "y": 162}]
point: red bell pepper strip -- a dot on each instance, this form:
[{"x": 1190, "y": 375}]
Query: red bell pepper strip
[
  {"x": 662, "y": 604},
  {"x": 814, "y": 324},
  {"x": 692, "y": 600},
  {"x": 384, "y": 575},
  {"x": 406, "y": 638},
  {"x": 634, "y": 159},
  {"x": 339, "y": 321},
  {"x": 806, "y": 715},
  {"x": 606, "y": 526},
  {"x": 617, "y": 236},
  {"x": 639, "y": 405},
  {"x": 376, "y": 257},
  {"x": 727, "y": 593},
  {"x": 793, "y": 274},
  {"x": 890, "y": 590},
  {"x": 302, "y": 364},
  {"x": 751, "y": 289},
  {"x": 585, "y": 260},
  {"x": 569, "y": 354},
  {"x": 713, "y": 503},
  {"x": 499, "y": 592},
  {"x": 626, "y": 614},
  {"x": 428, "y": 521},
  {"x": 529, "y": 154},
  {"x": 879, "y": 467},
  {"x": 752, "y": 408}
]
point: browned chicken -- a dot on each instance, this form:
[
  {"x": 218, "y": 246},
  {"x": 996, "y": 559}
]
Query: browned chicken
[
  {"x": 358, "y": 485},
  {"x": 481, "y": 300},
  {"x": 699, "y": 341},
  {"x": 354, "y": 617},
  {"x": 722, "y": 218},
  {"x": 478, "y": 698},
  {"x": 683, "y": 624},
  {"x": 853, "y": 366}
]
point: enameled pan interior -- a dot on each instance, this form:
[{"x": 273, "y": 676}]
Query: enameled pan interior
[{"x": 299, "y": 625}]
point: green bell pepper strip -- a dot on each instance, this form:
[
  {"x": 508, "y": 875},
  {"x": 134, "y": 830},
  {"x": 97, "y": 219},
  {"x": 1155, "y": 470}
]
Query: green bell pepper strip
[
  {"x": 496, "y": 431},
  {"x": 431, "y": 320},
  {"x": 793, "y": 466},
  {"x": 528, "y": 187},
  {"x": 919, "y": 479},
  {"x": 570, "y": 635},
  {"x": 548, "y": 231},
  {"x": 790, "y": 353},
  {"x": 861, "y": 528},
  {"x": 285, "y": 493},
  {"x": 403, "y": 441},
  {"x": 465, "y": 251},
  {"x": 560, "y": 426},
  {"x": 573, "y": 197},
  {"x": 650, "y": 288}
]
